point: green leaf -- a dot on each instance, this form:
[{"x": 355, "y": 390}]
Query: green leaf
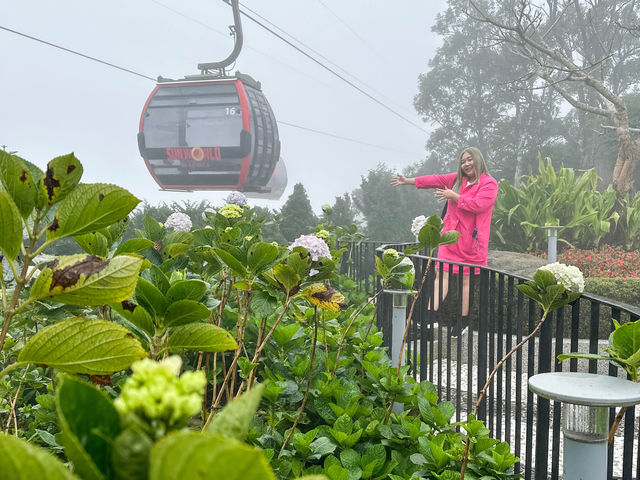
[
  {"x": 625, "y": 340},
  {"x": 88, "y": 280},
  {"x": 235, "y": 418},
  {"x": 156, "y": 276},
  {"x": 436, "y": 221},
  {"x": 192, "y": 455},
  {"x": 131, "y": 450},
  {"x": 17, "y": 178},
  {"x": 133, "y": 245},
  {"x": 545, "y": 278},
  {"x": 232, "y": 262},
  {"x": 186, "y": 290},
  {"x": 201, "y": 337},
  {"x": 89, "y": 208},
  {"x": 183, "y": 312},
  {"x": 63, "y": 175},
  {"x": 150, "y": 297},
  {"x": 426, "y": 410},
  {"x": 286, "y": 276},
  {"x": 300, "y": 261},
  {"x": 20, "y": 460},
  {"x": 449, "y": 237},
  {"x": 81, "y": 345},
  {"x": 93, "y": 243},
  {"x": 89, "y": 423},
  {"x": 429, "y": 236},
  {"x": 137, "y": 315},
  {"x": 10, "y": 227},
  {"x": 152, "y": 228},
  {"x": 261, "y": 255}
]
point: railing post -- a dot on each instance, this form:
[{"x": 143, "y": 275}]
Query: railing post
[{"x": 483, "y": 328}]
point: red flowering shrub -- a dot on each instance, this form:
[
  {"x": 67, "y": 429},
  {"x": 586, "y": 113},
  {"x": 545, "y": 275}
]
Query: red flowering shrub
[{"x": 607, "y": 262}]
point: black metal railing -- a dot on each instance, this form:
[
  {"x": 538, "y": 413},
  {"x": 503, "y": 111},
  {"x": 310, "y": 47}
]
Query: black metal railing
[{"x": 499, "y": 318}]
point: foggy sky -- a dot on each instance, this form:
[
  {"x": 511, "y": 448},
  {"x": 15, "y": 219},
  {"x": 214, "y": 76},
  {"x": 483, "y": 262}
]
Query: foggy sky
[{"x": 53, "y": 102}]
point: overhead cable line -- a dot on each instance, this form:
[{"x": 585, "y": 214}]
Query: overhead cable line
[
  {"x": 153, "y": 79},
  {"x": 76, "y": 53},
  {"x": 311, "y": 49},
  {"x": 280, "y": 122},
  {"x": 341, "y": 77},
  {"x": 260, "y": 52},
  {"x": 355, "y": 34}
]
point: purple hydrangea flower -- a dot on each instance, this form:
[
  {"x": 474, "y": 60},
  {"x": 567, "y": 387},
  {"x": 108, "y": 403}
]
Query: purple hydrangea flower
[
  {"x": 178, "y": 221},
  {"x": 317, "y": 247},
  {"x": 237, "y": 198}
]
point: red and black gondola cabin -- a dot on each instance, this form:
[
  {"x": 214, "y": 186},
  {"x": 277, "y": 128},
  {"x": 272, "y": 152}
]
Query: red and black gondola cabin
[{"x": 209, "y": 134}]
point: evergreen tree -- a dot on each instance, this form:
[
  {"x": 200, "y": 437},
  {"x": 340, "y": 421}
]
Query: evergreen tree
[
  {"x": 271, "y": 228},
  {"x": 297, "y": 216},
  {"x": 389, "y": 211}
]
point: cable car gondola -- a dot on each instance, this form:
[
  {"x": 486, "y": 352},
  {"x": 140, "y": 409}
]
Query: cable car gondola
[{"x": 210, "y": 131}]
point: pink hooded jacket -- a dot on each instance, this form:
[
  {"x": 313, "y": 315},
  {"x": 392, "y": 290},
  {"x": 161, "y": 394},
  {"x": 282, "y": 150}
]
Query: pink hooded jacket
[{"x": 472, "y": 211}]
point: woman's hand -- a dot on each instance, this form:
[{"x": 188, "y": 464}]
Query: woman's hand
[
  {"x": 402, "y": 180},
  {"x": 447, "y": 194}
]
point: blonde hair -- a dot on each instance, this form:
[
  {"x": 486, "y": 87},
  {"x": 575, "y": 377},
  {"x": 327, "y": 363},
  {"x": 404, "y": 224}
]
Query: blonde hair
[{"x": 478, "y": 166}]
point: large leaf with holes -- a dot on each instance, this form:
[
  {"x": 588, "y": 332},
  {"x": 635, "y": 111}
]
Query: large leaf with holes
[
  {"x": 201, "y": 337},
  {"x": 88, "y": 280},
  {"x": 208, "y": 457},
  {"x": 62, "y": 176},
  {"x": 82, "y": 345},
  {"x": 18, "y": 180},
  {"x": 89, "y": 424},
  {"x": 20, "y": 460},
  {"x": 89, "y": 208},
  {"x": 10, "y": 227}
]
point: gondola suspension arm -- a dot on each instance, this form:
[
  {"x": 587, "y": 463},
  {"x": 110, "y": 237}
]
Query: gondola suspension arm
[{"x": 236, "y": 31}]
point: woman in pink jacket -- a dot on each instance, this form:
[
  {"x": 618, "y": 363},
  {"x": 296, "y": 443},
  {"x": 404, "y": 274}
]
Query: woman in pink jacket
[{"x": 470, "y": 195}]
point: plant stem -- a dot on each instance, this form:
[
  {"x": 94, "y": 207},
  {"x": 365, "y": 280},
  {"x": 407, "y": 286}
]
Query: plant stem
[
  {"x": 346, "y": 332},
  {"x": 12, "y": 410},
  {"x": 616, "y": 422},
  {"x": 256, "y": 355},
  {"x": 306, "y": 393},
  {"x": 326, "y": 347},
  {"x": 465, "y": 457}
]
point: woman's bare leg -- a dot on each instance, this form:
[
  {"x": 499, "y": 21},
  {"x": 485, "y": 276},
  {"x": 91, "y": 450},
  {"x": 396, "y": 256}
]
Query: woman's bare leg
[
  {"x": 465, "y": 295},
  {"x": 445, "y": 288}
]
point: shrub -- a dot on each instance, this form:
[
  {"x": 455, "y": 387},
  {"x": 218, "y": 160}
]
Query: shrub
[
  {"x": 552, "y": 198},
  {"x": 608, "y": 262}
]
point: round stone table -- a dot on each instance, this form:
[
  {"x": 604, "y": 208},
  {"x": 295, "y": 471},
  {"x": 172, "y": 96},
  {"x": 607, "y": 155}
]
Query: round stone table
[{"x": 586, "y": 398}]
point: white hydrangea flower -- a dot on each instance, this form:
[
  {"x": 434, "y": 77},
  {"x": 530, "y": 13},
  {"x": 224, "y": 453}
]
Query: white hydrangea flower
[
  {"x": 567, "y": 275},
  {"x": 317, "y": 247},
  {"x": 417, "y": 224},
  {"x": 179, "y": 221},
  {"x": 237, "y": 198}
]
